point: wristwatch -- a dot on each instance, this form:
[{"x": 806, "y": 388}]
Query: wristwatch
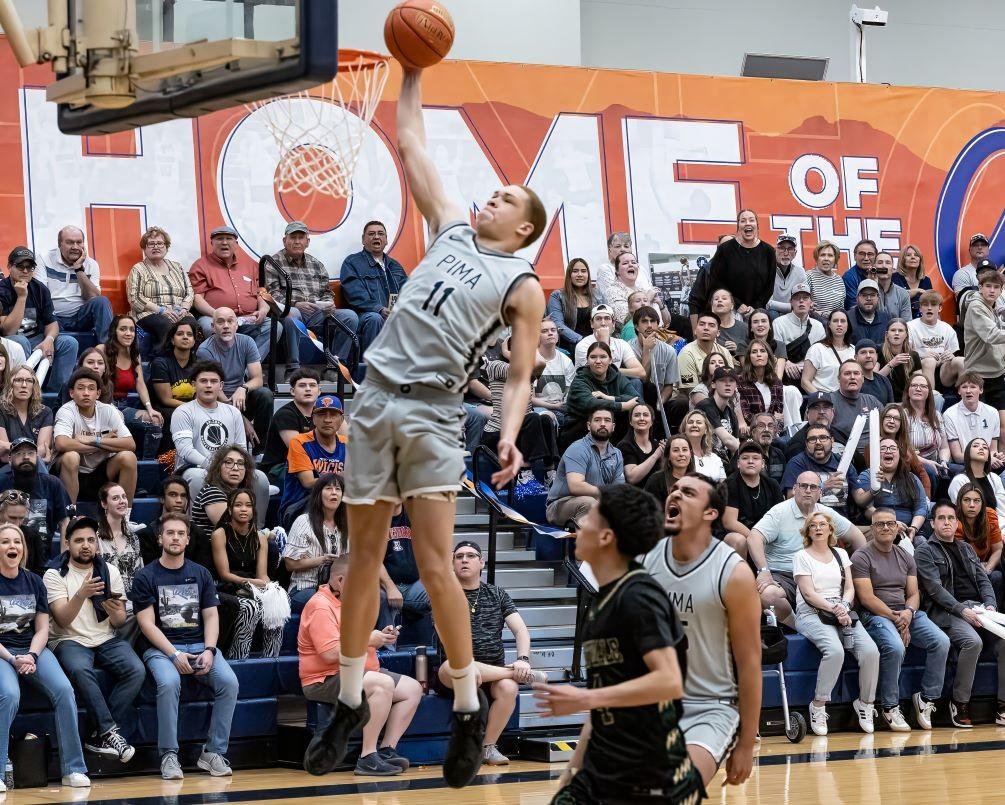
[
  {"x": 523, "y": 658},
  {"x": 33, "y": 655},
  {"x": 78, "y": 268},
  {"x": 211, "y": 650}
]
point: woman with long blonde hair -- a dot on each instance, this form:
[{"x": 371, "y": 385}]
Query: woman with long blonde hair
[
  {"x": 23, "y": 415},
  {"x": 910, "y": 274}
]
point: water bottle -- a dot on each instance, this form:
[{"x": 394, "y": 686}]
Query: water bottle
[
  {"x": 8, "y": 775},
  {"x": 848, "y": 637},
  {"x": 422, "y": 668},
  {"x": 769, "y": 616}
]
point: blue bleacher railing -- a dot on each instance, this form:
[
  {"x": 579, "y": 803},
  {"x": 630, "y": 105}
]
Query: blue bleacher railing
[{"x": 482, "y": 452}]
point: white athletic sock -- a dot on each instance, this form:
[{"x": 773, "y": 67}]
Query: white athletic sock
[
  {"x": 465, "y": 689},
  {"x": 351, "y": 679}
]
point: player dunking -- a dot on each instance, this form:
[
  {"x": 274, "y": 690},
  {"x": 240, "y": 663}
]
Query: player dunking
[
  {"x": 406, "y": 441},
  {"x": 631, "y": 750},
  {"x": 713, "y": 590}
]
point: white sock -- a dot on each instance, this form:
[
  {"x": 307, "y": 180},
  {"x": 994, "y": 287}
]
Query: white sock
[
  {"x": 351, "y": 679},
  {"x": 465, "y": 689}
]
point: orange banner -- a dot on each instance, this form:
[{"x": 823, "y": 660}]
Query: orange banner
[{"x": 669, "y": 158}]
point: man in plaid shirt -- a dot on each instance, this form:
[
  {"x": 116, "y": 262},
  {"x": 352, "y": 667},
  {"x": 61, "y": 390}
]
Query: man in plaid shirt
[{"x": 312, "y": 297}]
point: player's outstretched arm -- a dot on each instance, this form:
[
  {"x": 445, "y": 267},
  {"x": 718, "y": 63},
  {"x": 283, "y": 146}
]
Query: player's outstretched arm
[
  {"x": 743, "y": 613},
  {"x": 524, "y": 309},
  {"x": 420, "y": 172}
]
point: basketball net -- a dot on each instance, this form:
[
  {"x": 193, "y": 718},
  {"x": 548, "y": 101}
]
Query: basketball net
[{"x": 319, "y": 132}]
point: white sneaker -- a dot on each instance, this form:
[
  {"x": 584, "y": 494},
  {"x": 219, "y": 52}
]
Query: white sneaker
[
  {"x": 818, "y": 719},
  {"x": 923, "y": 711},
  {"x": 865, "y": 713},
  {"x": 76, "y": 780},
  {"x": 895, "y": 720}
]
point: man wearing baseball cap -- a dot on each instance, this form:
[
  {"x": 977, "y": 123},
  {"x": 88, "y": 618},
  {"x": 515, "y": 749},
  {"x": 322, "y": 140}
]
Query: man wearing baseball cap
[
  {"x": 227, "y": 277},
  {"x": 797, "y": 327},
  {"x": 622, "y": 355},
  {"x": 312, "y": 454},
  {"x": 867, "y": 318},
  {"x": 45, "y": 496},
  {"x": 29, "y": 318},
  {"x": 312, "y": 299},
  {"x": 819, "y": 410},
  {"x": 74, "y": 282},
  {"x": 719, "y": 408},
  {"x": 787, "y": 275},
  {"x": 874, "y": 383},
  {"x": 966, "y": 275}
]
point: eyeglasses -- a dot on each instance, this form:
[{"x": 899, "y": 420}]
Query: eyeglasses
[
  {"x": 233, "y": 462},
  {"x": 889, "y": 449},
  {"x": 923, "y": 386},
  {"x": 23, "y": 381},
  {"x": 817, "y": 439},
  {"x": 885, "y": 524},
  {"x": 467, "y": 556},
  {"x": 808, "y": 487},
  {"x": 14, "y": 496}
]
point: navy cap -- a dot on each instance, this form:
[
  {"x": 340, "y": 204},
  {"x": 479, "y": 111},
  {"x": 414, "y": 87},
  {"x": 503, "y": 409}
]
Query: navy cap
[
  {"x": 21, "y": 443},
  {"x": 866, "y": 343},
  {"x": 328, "y": 402},
  {"x": 78, "y": 523},
  {"x": 819, "y": 398},
  {"x": 977, "y": 238},
  {"x": 750, "y": 447}
]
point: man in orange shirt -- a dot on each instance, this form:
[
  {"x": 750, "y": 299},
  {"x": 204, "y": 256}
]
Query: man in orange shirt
[
  {"x": 393, "y": 698},
  {"x": 226, "y": 277}
]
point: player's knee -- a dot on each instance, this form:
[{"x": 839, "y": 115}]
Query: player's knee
[{"x": 505, "y": 689}]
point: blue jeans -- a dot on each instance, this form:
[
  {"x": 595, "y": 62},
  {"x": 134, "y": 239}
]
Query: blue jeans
[
  {"x": 926, "y": 636},
  {"x": 118, "y": 658},
  {"x": 50, "y": 679},
  {"x": 94, "y": 315},
  {"x": 341, "y": 343},
  {"x": 260, "y": 332},
  {"x": 168, "y": 681},
  {"x": 64, "y": 357},
  {"x": 299, "y": 599},
  {"x": 370, "y": 325}
]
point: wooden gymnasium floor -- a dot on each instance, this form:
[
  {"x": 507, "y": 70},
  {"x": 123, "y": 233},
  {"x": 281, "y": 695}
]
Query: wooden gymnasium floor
[{"x": 943, "y": 766}]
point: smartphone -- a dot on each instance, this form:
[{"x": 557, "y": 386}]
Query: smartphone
[{"x": 116, "y": 596}]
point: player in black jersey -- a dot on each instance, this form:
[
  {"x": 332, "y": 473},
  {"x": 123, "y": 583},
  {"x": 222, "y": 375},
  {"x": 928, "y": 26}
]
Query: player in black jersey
[{"x": 631, "y": 750}]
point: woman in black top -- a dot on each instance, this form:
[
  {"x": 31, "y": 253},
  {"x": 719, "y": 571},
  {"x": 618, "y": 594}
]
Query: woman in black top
[
  {"x": 231, "y": 468},
  {"x": 744, "y": 265},
  {"x": 171, "y": 373},
  {"x": 23, "y": 415},
  {"x": 240, "y": 559},
  {"x": 570, "y": 306},
  {"x": 642, "y": 457}
]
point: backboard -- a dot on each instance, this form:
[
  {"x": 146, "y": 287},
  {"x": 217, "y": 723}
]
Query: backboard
[{"x": 196, "y": 56}]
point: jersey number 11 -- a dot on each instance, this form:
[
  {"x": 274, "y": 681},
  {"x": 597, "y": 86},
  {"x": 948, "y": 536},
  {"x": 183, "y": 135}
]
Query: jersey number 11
[{"x": 439, "y": 303}]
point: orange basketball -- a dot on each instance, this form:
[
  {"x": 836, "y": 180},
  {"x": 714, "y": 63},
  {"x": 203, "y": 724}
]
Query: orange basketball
[{"x": 419, "y": 33}]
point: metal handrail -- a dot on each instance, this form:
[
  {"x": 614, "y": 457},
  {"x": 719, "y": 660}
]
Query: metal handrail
[
  {"x": 331, "y": 359},
  {"x": 585, "y": 591},
  {"x": 494, "y": 516},
  {"x": 274, "y": 320}
]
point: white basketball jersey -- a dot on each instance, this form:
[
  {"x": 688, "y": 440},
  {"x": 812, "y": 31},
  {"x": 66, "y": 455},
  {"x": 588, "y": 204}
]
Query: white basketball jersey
[
  {"x": 696, "y": 591},
  {"x": 449, "y": 312}
]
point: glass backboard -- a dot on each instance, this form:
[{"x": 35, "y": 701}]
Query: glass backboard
[{"x": 207, "y": 55}]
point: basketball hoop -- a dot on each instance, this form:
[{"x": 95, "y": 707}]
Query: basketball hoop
[{"x": 319, "y": 143}]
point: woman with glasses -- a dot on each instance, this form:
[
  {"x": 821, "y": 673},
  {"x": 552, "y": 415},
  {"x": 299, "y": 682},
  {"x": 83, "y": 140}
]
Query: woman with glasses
[
  {"x": 978, "y": 525},
  {"x": 317, "y": 537},
  {"x": 14, "y": 510},
  {"x": 230, "y": 468},
  {"x": 899, "y": 489},
  {"x": 25, "y": 660},
  {"x": 824, "y": 589},
  {"x": 23, "y": 415},
  {"x": 893, "y": 424},
  {"x": 925, "y": 428},
  {"x": 240, "y": 562},
  {"x": 824, "y": 358},
  {"x": 159, "y": 290},
  {"x": 977, "y": 471}
]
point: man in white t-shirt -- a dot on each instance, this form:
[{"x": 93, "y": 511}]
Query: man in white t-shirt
[
  {"x": 935, "y": 341},
  {"x": 87, "y": 604},
  {"x": 552, "y": 387},
  {"x": 972, "y": 419},
  {"x": 93, "y": 444},
  {"x": 623, "y": 357}
]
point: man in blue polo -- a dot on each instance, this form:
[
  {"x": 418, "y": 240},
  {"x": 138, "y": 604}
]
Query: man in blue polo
[
  {"x": 371, "y": 280},
  {"x": 310, "y": 455}
]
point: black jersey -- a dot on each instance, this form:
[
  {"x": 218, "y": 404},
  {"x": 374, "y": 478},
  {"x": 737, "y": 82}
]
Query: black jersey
[{"x": 634, "y": 752}]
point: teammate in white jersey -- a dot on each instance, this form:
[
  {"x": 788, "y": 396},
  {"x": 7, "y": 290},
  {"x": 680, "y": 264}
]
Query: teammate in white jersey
[
  {"x": 714, "y": 593},
  {"x": 406, "y": 444}
]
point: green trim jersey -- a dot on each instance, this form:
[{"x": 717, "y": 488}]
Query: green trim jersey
[{"x": 448, "y": 314}]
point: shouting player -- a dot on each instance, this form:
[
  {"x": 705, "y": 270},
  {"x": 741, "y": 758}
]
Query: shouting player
[
  {"x": 406, "y": 441},
  {"x": 713, "y": 591},
  {"x": 632, "y": 749}
]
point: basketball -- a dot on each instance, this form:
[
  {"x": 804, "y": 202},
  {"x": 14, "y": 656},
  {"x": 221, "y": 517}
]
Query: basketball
[{"x": 419, "y": 33}]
